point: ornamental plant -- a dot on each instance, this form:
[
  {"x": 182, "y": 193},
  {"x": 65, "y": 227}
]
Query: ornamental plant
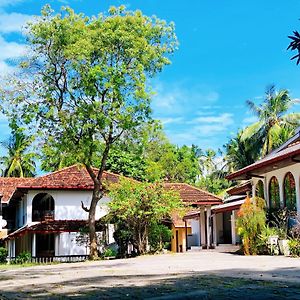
[{"x": 251, "y": 222}]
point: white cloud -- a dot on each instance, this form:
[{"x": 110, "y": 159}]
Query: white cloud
[
  {"x": 10, "y": 50},
  {"x": 223, "y": 119},
  {"x": 4, "y": 3},
  {"x": 249, "y": 120},
  {"x": 13, "y": 22},
  {"x": 171, "y": 120}
]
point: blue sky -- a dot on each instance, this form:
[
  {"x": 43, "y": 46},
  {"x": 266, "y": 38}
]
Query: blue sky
[{"x": 229, "y": 52}]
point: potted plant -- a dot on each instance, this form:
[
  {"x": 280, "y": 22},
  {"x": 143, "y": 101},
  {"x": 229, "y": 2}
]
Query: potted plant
[{"x": 280, "y": 220}]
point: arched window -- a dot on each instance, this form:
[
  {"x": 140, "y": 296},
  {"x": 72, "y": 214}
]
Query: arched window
[
  {"x": 274, "y": 195},
  {"x": 42, "y": 207},
  {"x": 259, "y": 190},
  {"x": 289, "y": 191}
]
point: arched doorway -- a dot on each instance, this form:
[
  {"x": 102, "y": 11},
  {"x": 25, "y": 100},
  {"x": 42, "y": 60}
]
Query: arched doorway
[
  {"x": 42, "y": 207},
  {"x": 274, "y": 195},
  {"x": 289, "y": 192}
]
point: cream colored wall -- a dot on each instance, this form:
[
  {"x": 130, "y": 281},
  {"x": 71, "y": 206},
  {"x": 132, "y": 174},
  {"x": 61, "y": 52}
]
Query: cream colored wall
[
  {"x": 280, "y": 174},
  {"x": 181, "y": 238}
]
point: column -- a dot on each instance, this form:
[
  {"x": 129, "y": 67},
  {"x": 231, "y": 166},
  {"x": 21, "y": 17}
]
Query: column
[
  {"x": 297, "y": 183},
  {"x": 215, "y": 229},
  {"x": 202, "y": 227},
  {"x": 253, "y": 182},
  {"x": 281, "y": 191},
  {"x": 233, "y": 230},
  {"x": 33, "y": 246},
  {"x": 208, "y": 226}
]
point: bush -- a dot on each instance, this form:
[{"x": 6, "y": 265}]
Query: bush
[
  {"x": 251, "y": 222},
  {"x": 3, "y": 255},
  {"x": 23, "y": 258},
  {"x": 109, "y": 252},
  {"x": 294, "y": 245},
  {"x": 263, "y": 243},
  {"x": 159, "y": 236}
]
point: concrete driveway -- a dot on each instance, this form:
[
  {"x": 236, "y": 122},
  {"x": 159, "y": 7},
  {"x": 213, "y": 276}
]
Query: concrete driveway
[{"x": 197, "y": 275}]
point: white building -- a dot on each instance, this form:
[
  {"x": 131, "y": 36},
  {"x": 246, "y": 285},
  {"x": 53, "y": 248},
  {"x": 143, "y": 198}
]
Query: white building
[
  {"x": 275, "y": 178},
  {"x": 44, "y": 215}
]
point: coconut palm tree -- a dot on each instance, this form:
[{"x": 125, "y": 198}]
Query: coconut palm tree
[
  {"x": 241, "y": 152},
  {"x": 274, "y": 123},
  {"x": 18, "y": 162}
]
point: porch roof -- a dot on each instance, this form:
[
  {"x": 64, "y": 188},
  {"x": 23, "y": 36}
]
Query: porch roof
[
  {"x": 193, "y": 195},
  {"x": 54, "y": 226},
  {"x": 275, "y": 160},
  {"x": 227, "y": 206}
]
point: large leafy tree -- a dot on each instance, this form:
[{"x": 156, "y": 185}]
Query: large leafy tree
[
  {"x": 20, "y": 160},
  {"x": 273, "y": 119},
  {"x": 85, "y": 83},
  {"x": 137, "y": 208}
]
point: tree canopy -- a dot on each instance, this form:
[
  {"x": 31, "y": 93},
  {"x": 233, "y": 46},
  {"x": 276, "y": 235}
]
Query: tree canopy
[{"x": 85, "y": 84}]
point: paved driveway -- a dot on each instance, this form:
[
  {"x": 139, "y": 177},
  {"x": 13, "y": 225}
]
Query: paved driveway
[{"x": 198, "y": 275}]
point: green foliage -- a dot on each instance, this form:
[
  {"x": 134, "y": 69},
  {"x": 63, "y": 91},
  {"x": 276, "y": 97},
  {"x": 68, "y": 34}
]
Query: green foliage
[
  {"x": 135, "y": 207},
  {"x": 84, "y": 84},
  {"x": 263, "y": 242},
  {"x": 241, "y": 152},
  {"x": 19, "y": 161},
  {"x": 109, "y": 253},
  {"x": 22, "y": 258},
  {"x": 251, "y": 223},
  {"x": 159, "y": 236},
  {"x": 274, "y": 125},
  {"x": 3, "y": 255},
  {"x": 294, "y": 247},
  {"x": 278, "y": 218}
]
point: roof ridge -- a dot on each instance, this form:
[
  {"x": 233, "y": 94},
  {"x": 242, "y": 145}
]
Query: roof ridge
[
  {"x": 197, "y": 188},
  {"x": 58, "y": 171}
]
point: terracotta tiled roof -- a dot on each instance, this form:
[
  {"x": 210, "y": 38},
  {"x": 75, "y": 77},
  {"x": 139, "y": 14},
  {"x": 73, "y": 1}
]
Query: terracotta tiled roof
[
  {"x": 193, "y": 195},
  {"x": 55, "y": 226},
  {"x": 74, "y": 177},
  {"x": 9, "y": 184},
  {"x": 240, "y": 189}
]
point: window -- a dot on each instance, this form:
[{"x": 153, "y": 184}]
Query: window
[
  {"x": 42, "y": 207},
  {"x": 259, "y": 190},
  {"x": 274, "y": 196},
  {"x": 289, "y": 192}
]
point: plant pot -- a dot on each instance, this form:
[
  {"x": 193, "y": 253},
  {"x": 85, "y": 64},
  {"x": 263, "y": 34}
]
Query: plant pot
[{"x": 284, "y": 247}]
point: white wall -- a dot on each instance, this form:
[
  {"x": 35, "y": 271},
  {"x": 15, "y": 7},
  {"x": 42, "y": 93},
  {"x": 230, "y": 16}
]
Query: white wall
[
  {"x": 68, "y": 204},
  {"x": 65, "y": 244},
  {"x": 195, "y": 224},
  {"x": 280, "y": 174}
]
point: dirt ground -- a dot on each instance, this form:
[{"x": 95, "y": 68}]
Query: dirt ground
[{"x": 197, "y": 275}]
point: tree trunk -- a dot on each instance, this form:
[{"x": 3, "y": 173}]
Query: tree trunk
[{"x": 92, "y": 223}]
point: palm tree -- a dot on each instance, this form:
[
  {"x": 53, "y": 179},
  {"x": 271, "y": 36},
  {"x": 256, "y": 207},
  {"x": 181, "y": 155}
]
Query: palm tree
[
  {"x": 274, "y": 124},
  {"x": 241, "y": 152},
  {"x": 18, "y": 162}
]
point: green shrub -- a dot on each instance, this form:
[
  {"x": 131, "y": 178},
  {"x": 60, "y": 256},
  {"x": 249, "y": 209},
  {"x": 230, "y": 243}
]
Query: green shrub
[
  {"x": 110, "y": 252},
  {"x": 294, "y": 245},
  {"x": 263, "y": 244},
  {"x": 23, "y": 258},
  {"x": 251, "y": 222},
  {"x": 3, "y": 255},
  {"x": 159, "y": 236}
]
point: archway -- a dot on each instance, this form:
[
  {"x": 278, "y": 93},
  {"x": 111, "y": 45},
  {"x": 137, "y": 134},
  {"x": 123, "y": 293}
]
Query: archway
[
  {"x": 274, "y": 195},
  {"x": 289, "y": 191},
  {"x": 42, "y": 207}
]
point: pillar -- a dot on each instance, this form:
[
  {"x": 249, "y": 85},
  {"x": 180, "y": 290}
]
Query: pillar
[
  {"x": 208, "y": 226},
  {"x": 215, "y": 229},
  {"x": 33, "y": 246},
  {"x": 202, "y": 227},
  {"x": 254, "y": 182},
  {"x": 233, "y": 228},
  {"x": 281, "y": 190},
  {"x": 297, "y": 183}
]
